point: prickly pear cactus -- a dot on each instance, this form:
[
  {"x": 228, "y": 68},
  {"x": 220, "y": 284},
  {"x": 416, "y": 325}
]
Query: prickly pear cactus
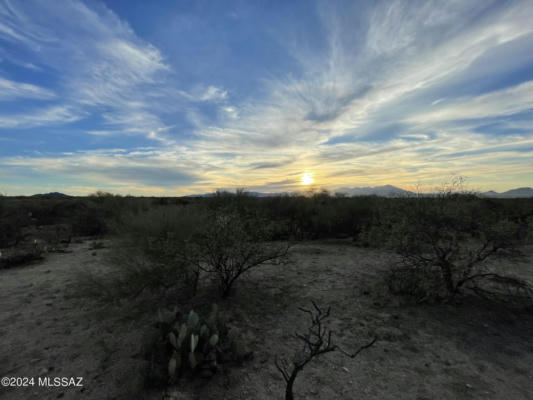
[{"x": 197, "y": 345}]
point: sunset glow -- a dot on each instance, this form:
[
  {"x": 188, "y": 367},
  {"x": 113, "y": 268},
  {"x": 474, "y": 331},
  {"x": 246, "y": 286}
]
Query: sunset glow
[
  {"x": 307, "y": 178},
  {"x": 192, "y": 97}
]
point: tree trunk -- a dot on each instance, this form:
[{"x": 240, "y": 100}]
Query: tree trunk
[
  {"x": 290, "y": 383},
  {"x": 448, "y": 278}
]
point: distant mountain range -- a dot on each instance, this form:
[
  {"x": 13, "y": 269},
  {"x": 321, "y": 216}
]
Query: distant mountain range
[
  {"x": 382, "y": 191},
  {"x": 390, "y": 191},
  {"x": 51, "y": 194},
  {"x": 253, "y": 194},
  {"x": 513, "y": 193},
  {"x": 393, "y": 191}
]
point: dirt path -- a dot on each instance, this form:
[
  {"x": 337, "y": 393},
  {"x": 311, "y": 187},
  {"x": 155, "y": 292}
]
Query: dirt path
[
  {"x": 44, "y": 333},
  {"x": 474, "y": 351}
]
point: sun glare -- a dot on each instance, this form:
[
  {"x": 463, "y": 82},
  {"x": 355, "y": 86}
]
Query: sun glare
[{"x": 307, "y": 178}]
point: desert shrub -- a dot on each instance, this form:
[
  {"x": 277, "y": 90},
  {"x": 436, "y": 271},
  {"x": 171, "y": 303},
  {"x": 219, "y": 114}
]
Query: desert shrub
[
  {"x": 191, "y": 345},
  {"x": 164, "y": 234},
  {"x": 43, "y": 211},
  {"x": 9, "y": 232},
  {"x": 106, "y": 212},
  {"x": 231, "y": 244},
  {"x": 49, "y": 211},
  {"x": 12, "y": 223},
  {"x": 16, "y": 256},
  {"x": 446, "y": 243},
  {"x": 89, "y": 222},
  {"x": 377, "y": 225},
  {"x": 241, "y": 201},
  {"x": 129, "y": 275},
  {"x": 505, "y": 289},
  {"x": 150, "y": 254},
  {"x": 314, "y": 215},
  {"x": 319, "y": 215}
]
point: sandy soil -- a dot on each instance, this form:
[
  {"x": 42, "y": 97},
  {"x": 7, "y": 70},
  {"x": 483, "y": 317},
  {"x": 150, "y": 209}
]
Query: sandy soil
[{"x": 473, "y": 351}]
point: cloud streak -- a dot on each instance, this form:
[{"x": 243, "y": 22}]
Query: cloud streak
[
  {"x": 392, "y": 92},
  {"x": 42, "y": 117},
  {"x": 104, "y": 66},
  {"x": 10, "y": 90}
]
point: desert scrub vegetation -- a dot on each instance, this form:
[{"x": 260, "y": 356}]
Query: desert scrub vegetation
[
  {"x": 49, "y": 219},
  {"x": 151, "y": 253},
  {"x": 16, "y": 246},
  {"x": 232, "y": 244},
  {"x": 12, "y": 222},
  {"x": 447, "y": 242},
  {"x": 12, "y": 257},
  {"x": 174, "y": 246},
  {"x": 320, "y": 215},
  {"x": 189, "y": 345}
]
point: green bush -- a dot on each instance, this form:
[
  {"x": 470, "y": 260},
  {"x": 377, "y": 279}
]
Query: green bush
[
  {"x": 150, "y": 254},
  {"x": 446, "y": 242},
  {"x": 232, "y": 244}
]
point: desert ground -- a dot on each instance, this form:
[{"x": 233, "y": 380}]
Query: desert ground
[{"x": 475, "y": 350}]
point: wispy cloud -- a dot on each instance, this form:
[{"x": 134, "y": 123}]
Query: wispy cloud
[
  {"x": 378, "y": 92},
  {"x": 103, "y": 64},
  {"x": 109, "y": 167},
  {"x": 16, "y": 27},
  {"x": 503, "y": 102},
  {"x": 42, "y": 117},
  {"x": 10, "y": 90},
  {"x": 359, "y": 84},
  {"x": 210, "y": 93}
]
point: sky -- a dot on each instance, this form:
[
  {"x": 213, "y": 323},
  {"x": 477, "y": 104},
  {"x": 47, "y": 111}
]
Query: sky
[{"x": 180, "y": 97}]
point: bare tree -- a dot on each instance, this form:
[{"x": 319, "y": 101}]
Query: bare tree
[{"x": 316, "y": 341}]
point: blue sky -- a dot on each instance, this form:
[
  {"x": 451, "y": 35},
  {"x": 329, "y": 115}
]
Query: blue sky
[{"x": 180, "y": 97}]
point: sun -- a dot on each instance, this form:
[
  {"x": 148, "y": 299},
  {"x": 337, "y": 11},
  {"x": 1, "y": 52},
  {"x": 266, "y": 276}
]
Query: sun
[{"x": 307, "y": 178}]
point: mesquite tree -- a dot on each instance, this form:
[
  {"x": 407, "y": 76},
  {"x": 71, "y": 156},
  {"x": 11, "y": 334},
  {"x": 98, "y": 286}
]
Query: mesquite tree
[
  {"x": 446, "y": 241},
  {"x": 232, "y": 244}
]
